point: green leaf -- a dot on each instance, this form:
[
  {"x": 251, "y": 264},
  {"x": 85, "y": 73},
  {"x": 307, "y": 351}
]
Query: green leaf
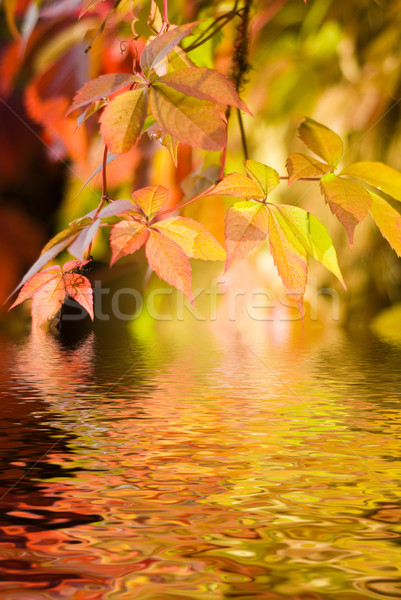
[
  {"x": 122, "y": 120},
  {"x": 291, "y": 261},
  {"x": 310, "y": 233},
  {"x": 378, "y": 175},
  {"x": 162, "y": 45},
  {"x": 205, "y": 84},
  {"x": 348, "y": 200},
  {"x": 239, "y": 186},
  {"x": 246, "y": 228},
  {"x": 199, "y": 123},
  {"x": 300, "y": 165},
  {"x": 388, "y": 221},
  {"x": 322, "y": 141},
  {"x": 266, "y": 177}
]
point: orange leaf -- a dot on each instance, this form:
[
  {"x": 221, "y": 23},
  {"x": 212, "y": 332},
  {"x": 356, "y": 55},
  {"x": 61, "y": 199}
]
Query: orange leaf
[
  {"x": 78, "y": 287},
  {"x": 192, "y": 237},
  {"x": 169, "y": 262},
  {"x": 292, "y": 264},
  {"x": 123, "y": 119},
  {"x": 162, "y": 45},
  {"x": 239, "y": 186},
  {"x": 322, "y": 141},
  {"x": 126, "y": 238},
  {"x": 348, "y": 200},
  {"x": 47, "y": 301},
  {"x": 388, "y": 221},
  {"x": 205, "y": 84},
  {"x": 151, "y": 199},
  {"x": 101, "y": 87},
  {"x": 199, "y": 123},
  {"x": 246, "y": 228},
  {"x": 300, "y": 165},
  {"x": 35, "y": 283}
]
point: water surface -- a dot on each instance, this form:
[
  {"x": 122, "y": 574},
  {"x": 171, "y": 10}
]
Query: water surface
[{"x": 200, "y": 464}]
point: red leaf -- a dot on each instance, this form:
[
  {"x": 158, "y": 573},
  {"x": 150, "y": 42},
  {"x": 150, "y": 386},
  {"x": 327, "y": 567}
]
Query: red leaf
[
  {"x": 169, "y": 262},
  {"x": 151, "y": 199},
  {"x": 247, "y": 225},
  {"x": 162, "y": 45},
  {"x": 74, "y": 264},
  {"x": 35, "y": 283},
  {"x": 78, "y": 287},
  {"x": 123, "y": 119},
  {"x": 126, "y": 238},
  {"x": 205, "y": 84},
  {"x": 101, "y": 87}
]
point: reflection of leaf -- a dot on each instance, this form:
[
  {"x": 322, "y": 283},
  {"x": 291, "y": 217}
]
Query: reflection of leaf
[
  {"x": 151, "y": 199},
  {"x": 123, "y": 119},
  {"x": 239, "y": 186},
  {"x": 348, "y": 200},
  {"x": 322, "y": 141},
  {"x": 101, "y": 87},
  {"x": 169, "y": 262},
  {"x": 126, "y": 238},
  {"x": 246, "y": 227},
  {"x": 300, "y": 165},
  {"x": 192, "y": 237},
  {"x": 161, "y": 46},
  {"x": 266, "y": 177},
  {"x": 291, "y": 262},
  {"x": 388, "y": 221},
  {"x": 305, "y": 230},
  {"x": 204, "y": 84},
  {"x": 199, "y": 123},
  {"x": 378, "y": 175}
]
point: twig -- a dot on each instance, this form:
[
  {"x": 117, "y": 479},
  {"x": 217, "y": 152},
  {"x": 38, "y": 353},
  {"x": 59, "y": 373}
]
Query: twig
[{"x": 243, "y": 136}]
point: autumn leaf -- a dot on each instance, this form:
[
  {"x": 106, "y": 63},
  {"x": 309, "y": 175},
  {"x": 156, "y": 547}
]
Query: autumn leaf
[
  {"x": 122, "y": 120},
  {"x": 88, "y": 4},
  {"x": 47, "y": 301},
  {"x": 194, "y": 239},
  {"x": 35, "y": 283},
  {"x": 80, "y": 244},
  {"x": 157, "y": 49},
  {"x": 305, "y": 232},
  {"x": 79, "y": 288},
  {"x": 265, "y": 177},
  {"x": 388, "y": 221},
  {"x": 239, "y": 186},
  {"x": 322, "y": 141},
  {"x": 102, "y": 87},
  {"x": 300, "y": 165},
  {"x": 199, "y": 123},
  {"x": 205, "y": 84},
  {"x": 165, "y": 139},
  {"x": 151, "y": 199},
  {"x": 291, "y": 263},
  {"x": 348, "y": 200},
  {"x": 126, "y": 238},
  {"x": 169, "y": 262},
  {"x": 377, "y": 175},
  {"x": 247, "y": 225}
]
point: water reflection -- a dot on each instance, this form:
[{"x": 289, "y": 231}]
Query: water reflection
[{"x": 197, "y": 466}]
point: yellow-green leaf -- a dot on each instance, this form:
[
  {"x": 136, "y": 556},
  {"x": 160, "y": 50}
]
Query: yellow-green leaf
[
  {"x": 348, "y": 200},
  {"x": 123, "y": 119},
  {"x": 239, "y": 186},
  {"x": 378, "y": 175},
  {"x": 265, "y": 177},
  {"x": 192, "y": 237},
  {"x": 300, "y": 165},
  {"x": 199, "y": 123},
  {"x": 388, "y": 221},
  {"x": 246, "y": 228},
  {"x": 322, "y": 141}
]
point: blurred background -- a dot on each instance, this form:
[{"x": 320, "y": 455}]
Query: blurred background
[{"x": 337, "y": 62}]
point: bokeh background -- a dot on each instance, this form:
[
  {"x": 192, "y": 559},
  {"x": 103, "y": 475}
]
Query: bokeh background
[{"x": 337, "y": 62}]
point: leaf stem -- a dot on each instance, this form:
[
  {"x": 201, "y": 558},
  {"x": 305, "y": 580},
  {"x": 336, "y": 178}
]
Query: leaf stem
[
  {"x": 243, "y": 136},
  {"x": 165, "y": 20},
  {"x": 174, "y": 208},
  {"x": 285, "y": 178},
  {"x": 104, "y": 174}
]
